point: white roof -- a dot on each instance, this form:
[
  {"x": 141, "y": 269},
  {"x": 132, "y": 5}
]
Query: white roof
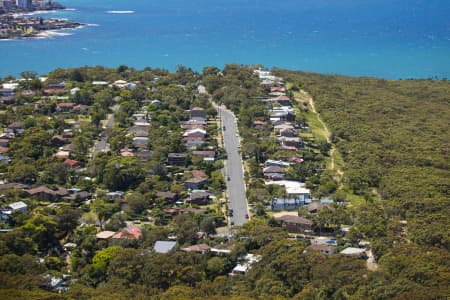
[
  {"x": 99, "y": 82},
  {"x": 292, "y": 187},
  {"x": 353, "y": 251},
  {"x": 164, "y": 246},
  {"x": 17, "y": 205},
  {"x": 10, "y": 86}
]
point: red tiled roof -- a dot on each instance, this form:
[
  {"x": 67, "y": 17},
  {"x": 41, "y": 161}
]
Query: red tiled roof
[{"x": 132, "y": 233}]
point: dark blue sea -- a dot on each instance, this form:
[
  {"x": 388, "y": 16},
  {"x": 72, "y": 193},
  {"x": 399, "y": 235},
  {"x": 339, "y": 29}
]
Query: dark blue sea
[{"x": 383, "y": 38}]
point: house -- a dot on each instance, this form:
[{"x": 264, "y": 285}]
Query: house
[
  {"x": 357, "y": 252},
  {"x": 11, "y": 208},
  {"x": 316, "y": 206},
  {"x": 200, "y": 248},
  {"x": 15, "y": 127},
  {"x": 282, "y": 126},
  {"x": 80, "y": 196},
  {"x": 73, "y": 164},
  {"x": 278, "y": 163},
  {"x": 139, "y": 130},
  {"x": 199, "y": 197},
  {"x": 282, "y": 100},
  {"x": 113, "y": 196},
  {"x": 204, "y": 153},
  {"x": 274, "y": 173},
  {"x": 104, "y": 235},
  {"x": 178, "y": 159},
  {"x": 192, "y": 142},
  {"x": 195, "y": 183},
  {"x": 126, "y": 153},
  {"x": 296, "y": 195},
  {"x": 80, "y": 108},
  {"x": 62, "y": 154},
  {"x": 257, "y": 124},
  {"x": 4, "y": 143},
  {"x": 245, "y": 264},
  {"x": 295, "y": 142},
  {"x": 196, "y": 132},
  {"x": 6, "y": 92},
  {"x": 192, "y": 124},
  {"x": 65, "y": 107},
  {"x": 288, "y": 132},
  {"x": 197, "y": 113},
  {"x": 46, "y": 194},
  {"x": 74, "y": 90},
  {"x": 324, "y": 249},
  {"x": 129, "y": 233},
  {"x": 282, "y": 115},
  {"x": 140, "y": 142},
  {"x": 296, "y": 223},
  {"x": 165, "y": 247},
  {"x": 58, "y": 140},
  {"x": 8, "y": 100},
  {"x": 168, "y": 197},
  {"x": 3, "y": 150}
]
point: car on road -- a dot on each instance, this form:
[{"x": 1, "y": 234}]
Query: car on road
[
  {"x": 228, "y": 178},
  {"x": 223, "y": 128},
  {"x": 246, "y": 216}
]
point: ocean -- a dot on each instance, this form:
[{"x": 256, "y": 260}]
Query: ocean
[{"x": 383, "y": 38}]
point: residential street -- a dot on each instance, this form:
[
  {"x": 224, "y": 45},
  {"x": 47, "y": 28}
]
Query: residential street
[
  {"x": 102, "y": 143},
  {"x": 234, "y": 168}
]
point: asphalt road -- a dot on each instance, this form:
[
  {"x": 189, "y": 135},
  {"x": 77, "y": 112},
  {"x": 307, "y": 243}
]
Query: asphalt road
[
  {"x": 102, "y": 144},
  {"x": 237, "y": 200}
]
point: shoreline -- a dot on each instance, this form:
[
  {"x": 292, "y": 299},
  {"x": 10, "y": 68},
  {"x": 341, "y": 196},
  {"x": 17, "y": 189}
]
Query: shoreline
[{"x": 48, "y": 34}]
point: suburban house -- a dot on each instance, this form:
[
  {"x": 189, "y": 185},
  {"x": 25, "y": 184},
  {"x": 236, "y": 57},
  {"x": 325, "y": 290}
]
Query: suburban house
[
  {"x": 192, "y": 142},
  {"x": 140, "y": 142},
  {"x": 104, "y": 235},
  {"x": 278, "y": 163},
  {"x": 257, "y": 124},
  {"x": 204, "y": 153},
  {"x": 196, "y": 132},
  {"x": 65, "y": 107},
  {"x": 199, "y": 197},
  {"x": 11, "y": 208},
  {"x": 113, "y": 196},
  {"x": 296, "y": 195},
  {"x": 165, "y": 247},
  {"x": 316, "y": 206},
  {"x": 295, "y": 142},
  {"x": 274, "y": 173},
  {"x": 195, "y": 183},
  {"x": 129, "y": 233},
  {"x": 192, "y": 124},
  {"x": 246, "y": 263},
  {"x": 197, "y": 113},
  {"x": 296, "y": 223},
  {"x": 178, "y": 159},
  {"x": 73, "y": 164},
  {"x": 46, "y": 194},
  {"x": 15, "y": 127}
]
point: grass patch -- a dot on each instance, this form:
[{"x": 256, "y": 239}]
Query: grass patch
[{"x": 316, "y": 126}]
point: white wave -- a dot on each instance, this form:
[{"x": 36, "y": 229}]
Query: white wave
[
  {"x": 120, "y": 11},
  {"x": 92, "y": 25}
]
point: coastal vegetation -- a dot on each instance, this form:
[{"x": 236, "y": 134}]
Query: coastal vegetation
[{"x": 392, "y": 135}]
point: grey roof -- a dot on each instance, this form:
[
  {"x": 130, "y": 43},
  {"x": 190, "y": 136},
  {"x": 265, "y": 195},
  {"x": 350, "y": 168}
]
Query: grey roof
[{"x": 164, "y": 246}]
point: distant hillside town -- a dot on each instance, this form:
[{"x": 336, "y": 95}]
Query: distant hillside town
[{"x": 28, "y": 5}]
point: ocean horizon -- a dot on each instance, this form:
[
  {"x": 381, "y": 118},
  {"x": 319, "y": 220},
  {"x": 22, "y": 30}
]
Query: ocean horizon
[{"x": 387, "y": 39}]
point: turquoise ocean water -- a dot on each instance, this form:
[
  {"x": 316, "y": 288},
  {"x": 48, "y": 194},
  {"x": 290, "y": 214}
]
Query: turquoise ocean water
[{"x": 383, "y": 38}]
